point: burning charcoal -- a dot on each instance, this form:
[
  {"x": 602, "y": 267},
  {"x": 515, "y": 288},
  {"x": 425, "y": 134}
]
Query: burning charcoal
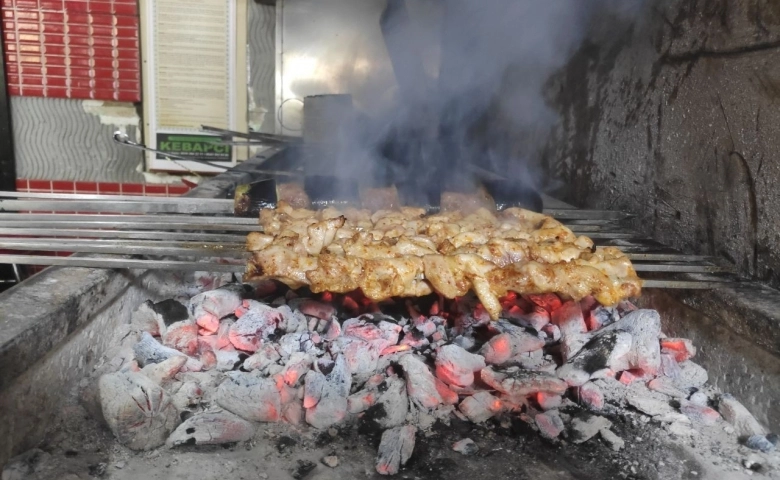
[
  {"x": 587, "y": 304},
  {"x": 548, "y": 301},
  {"x": 615, "y": 443},
  {"x": 395, "y": 349},
  {"x": 305, "y": 342},
  {"x": 420, "y": 382},
  {"x": 440, "y": 335},
  {"x": 627, "y": 377},
  {"x": 570, "y": 320},
  {"x": 207, "y": 381},
  {"x": 331, "y": 405},
  {"x": 208, "y": 323},
  {"x": 374, "y": 382},
  {"x": 606, "y": 350},
  {"x": 382, "y": 335},
  {"x": 700, "y": 413},
  {"x": 253, "y": 327},
  {"x": 392, "y": 406},
  {"x": 395, "y": 449},
  {"x": 669, "y": 367},
  {"x": 297, "y": 366},
  {"x": 314, "y": 308},
  {"x": 262, "y": 359},
  {"x": 212, "y": 428},
  {"x": 550, "y": 424},
  {"x": 699, "y": 398},
  {"x": 215, "y": 304},
  {"x": 361, "y": 401},
  {"x": 649, "y": 406},
  {"x": 589, "y": 395},
  {"x": 148, "y": 351},
  {"x": 533, "y": 361},
  {"x": 188, "y": 395},
  {"x": 183, "y": 336},
  {"x": 139, "y": 413},
  {"x": 223, "y": 334},
  {"x": 692, "y": 375},
  {"x": 551, "y": 332},
  {"x": 456, "y": 366},
  {"x": 760, "y": 443},
  {"x": 512, "y": 341},
  {"x": 645, "y": 328},
  {"x": 666, "y": 386},
  {"x": 681, "y": 348},
  {"x": 163, "y": 372},
  {"x": 146, "y": 319},
  {"x": 464, "y": 342},
  {"x": 227, "y": 359},
  {"x": 624, "y": 307},
  {"x": 286, "y": 393},
  {"x": 465, "y": 446},
  {"x": 448, "y": 396},
  {"x": 314, "y": 383},
  {"x": 293, "y": 413},
  {"x": 586, "y": 426},
  {"x": 518, "y": 383},
  {"x": 292, "y": 322},
  {"x": 426, "y": 328},
  {"x": 547, "y": 401},
  {"x": 312, "y": 323},
  {"x": 415, "y": 340},
  {"x": 739, "y": 417},
  {"x": 250, "y": 396},
  {"x": 600, "y": 317},
  {"x": 480, "y": 407},
  {"x": 333, "y": 330},
  {"x": 362, "y": 357},
  {"x": 536, "y": 319}
]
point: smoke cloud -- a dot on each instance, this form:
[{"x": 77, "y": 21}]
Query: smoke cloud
[{"x": 476, "y": 102}]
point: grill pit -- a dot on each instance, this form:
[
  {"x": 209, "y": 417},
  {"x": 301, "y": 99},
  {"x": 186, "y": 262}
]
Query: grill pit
[
  {"x": 427, "y": 387},
  {"x": 57, "y": 355}
]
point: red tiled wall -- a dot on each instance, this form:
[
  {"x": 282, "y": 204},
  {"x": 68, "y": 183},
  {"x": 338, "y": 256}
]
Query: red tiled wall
[
  {"x": 109, "y": 188},
  {"x": 83, "y": 49}
]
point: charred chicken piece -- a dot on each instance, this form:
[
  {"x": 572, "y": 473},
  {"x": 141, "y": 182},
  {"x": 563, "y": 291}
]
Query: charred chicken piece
[{"x": 250, "y": 199}]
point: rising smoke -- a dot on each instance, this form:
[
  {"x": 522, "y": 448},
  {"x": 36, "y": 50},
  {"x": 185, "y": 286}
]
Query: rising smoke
[{"x": 484, "y": 104}]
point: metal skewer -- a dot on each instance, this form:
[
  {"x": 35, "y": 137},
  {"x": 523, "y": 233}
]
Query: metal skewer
[
  {"x": 127, "y": 263},
  {"x": 114, "y": 262},
  {"x": 121, "y": 234},
  {"x": 63, "y": 202},
  {"x": 229, "y": 250}
]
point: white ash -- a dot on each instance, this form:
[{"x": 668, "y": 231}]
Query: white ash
[
  {"x": 395, "y": 449},
  {"x": 465, "y": 446},
  {"x": 586, "y": 426},
  {"x": 138, "y": 411},
  {"x": 297, "y": 361},
  {"x": 212, "y": 428}
]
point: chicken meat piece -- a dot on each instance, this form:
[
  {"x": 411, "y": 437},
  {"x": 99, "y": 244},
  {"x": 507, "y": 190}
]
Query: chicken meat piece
[{"x": 401, "y": 253}]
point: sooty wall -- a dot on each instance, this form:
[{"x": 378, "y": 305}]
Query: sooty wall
[{"x": 676, "y": 117}]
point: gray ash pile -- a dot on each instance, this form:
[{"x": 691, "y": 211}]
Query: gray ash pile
[{"x": 210, "y": 368}]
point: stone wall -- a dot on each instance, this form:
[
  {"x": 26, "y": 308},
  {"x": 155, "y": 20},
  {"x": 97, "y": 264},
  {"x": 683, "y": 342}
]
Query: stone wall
[{"x": 676, "y": 117}]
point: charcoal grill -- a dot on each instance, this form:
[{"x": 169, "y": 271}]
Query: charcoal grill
[{"x": 190, "y": 228}]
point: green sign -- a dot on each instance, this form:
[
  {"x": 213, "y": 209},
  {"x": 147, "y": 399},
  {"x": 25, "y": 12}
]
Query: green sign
[{"x": 203, "y": 147}]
